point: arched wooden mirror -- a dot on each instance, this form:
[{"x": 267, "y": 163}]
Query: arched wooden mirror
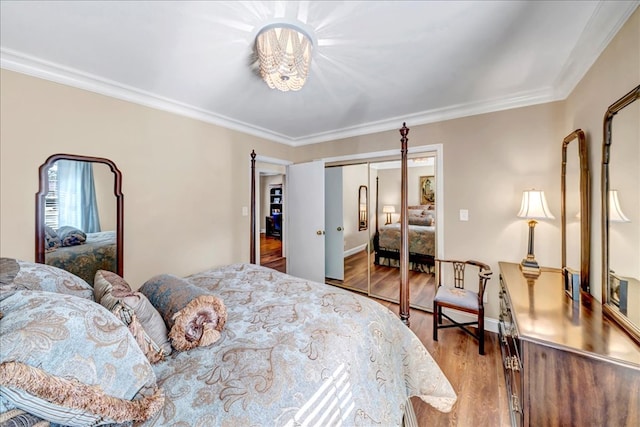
[
  {"x": 621, "y": 213},
  {"x": 79, "y": 215},
  {"x": 363, "y": 208},
  {"x": 575, "y": 211}
]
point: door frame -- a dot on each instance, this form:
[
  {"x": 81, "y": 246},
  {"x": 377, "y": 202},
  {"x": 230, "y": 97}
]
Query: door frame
[{"x": 258, "y": 202}]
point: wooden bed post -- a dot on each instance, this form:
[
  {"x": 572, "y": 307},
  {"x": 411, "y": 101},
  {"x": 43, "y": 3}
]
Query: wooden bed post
[
  {"x": 252, "y": 245},
  {"x": 404, "y": 232}
]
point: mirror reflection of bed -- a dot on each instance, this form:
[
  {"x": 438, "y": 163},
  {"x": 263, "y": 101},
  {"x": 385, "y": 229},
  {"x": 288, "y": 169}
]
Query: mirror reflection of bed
[
  {"x": 79, "y": 216},
  {"x": 371, "y": 258}
]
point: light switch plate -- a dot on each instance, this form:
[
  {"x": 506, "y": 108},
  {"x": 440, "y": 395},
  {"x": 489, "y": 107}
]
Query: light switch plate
[
  {"x": 464, "y": 215},
  {"x": 245, "y": 211}
]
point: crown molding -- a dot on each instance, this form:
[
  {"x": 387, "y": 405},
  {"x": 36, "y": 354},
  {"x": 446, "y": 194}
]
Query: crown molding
[
  {"x": 25, "y": 64},
  {"x": 585, "y": 53},
  {"x": 592, "y": 42}
]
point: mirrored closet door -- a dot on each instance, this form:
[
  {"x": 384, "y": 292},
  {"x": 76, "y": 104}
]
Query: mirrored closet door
[{"x": 369, "y": 260}]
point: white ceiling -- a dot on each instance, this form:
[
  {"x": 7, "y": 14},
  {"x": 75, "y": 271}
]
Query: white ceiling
[{"x": 376, "y": 63}]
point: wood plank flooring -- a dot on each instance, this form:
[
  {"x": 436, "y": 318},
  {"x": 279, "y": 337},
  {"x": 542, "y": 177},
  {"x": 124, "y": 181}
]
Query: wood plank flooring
[
  {"x": 385, "y": 280},
  {"x": 478, "y": 380},
  {"x": 271, "y": 253}
]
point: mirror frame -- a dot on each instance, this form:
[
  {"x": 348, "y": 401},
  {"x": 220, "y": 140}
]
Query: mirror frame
[
  {"x": 43, "y": 189},
  {"x": 585, "y": 207},
  {"x": 632, "y": 329},
  {"x": 363, "y": 215}
]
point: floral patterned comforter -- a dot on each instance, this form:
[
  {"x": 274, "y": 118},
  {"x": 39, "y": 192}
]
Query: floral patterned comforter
[
  {"x": 97, "y": 253},
  {"x": 421, "y": 238},
  {"x": 295, "y": 352}
]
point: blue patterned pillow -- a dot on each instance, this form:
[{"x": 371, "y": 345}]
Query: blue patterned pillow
[
  {"x": 42, "y": 277},
  {"x": 70, "y": 361},
  {"x": 71, "y": 236},
  {"x": 51, "y": 239}
]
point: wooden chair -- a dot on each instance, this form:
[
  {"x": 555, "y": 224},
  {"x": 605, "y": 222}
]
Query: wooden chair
[{"x": 455, "y": 296}]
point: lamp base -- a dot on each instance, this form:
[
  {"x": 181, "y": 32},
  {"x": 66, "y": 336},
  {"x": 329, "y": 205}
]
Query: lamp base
[{"x": 530, "y": 267}]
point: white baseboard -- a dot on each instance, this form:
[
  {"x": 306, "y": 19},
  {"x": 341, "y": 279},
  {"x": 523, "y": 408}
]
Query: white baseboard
[{"x": 355, "y": 250}]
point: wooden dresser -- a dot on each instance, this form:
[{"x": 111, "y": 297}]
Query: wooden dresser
[{"x": 565, "y": 364}]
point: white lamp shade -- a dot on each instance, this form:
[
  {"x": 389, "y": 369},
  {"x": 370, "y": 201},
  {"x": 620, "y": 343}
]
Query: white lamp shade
[
  {"x": 615, "y": 213},
  {"x": 534, "y": 205},
  {"x": 388, "y": 209}
]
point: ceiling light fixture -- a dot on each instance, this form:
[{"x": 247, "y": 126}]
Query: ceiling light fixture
[{"x": 284, "y": 56}]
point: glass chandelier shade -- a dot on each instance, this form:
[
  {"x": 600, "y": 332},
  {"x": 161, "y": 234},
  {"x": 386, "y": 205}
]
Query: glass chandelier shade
[{"x": 284, "y": 56}]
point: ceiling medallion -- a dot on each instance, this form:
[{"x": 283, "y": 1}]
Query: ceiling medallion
[{"x": 284, "y": 56}]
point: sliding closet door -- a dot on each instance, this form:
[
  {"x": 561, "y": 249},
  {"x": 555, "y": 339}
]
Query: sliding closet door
[
  {"x": 384, "y": 259},
  {"x": 422, "y": 201},
  {"x": 333, "y": 212},
  {"x": 347, "y": 198}
]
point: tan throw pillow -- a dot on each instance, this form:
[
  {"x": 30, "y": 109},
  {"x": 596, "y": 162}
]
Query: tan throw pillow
[{"x": 135, "y": 311}]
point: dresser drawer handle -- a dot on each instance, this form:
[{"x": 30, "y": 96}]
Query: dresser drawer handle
[
  {"x": 512, "y": 363},
  {"x": 515, "y": 404}
]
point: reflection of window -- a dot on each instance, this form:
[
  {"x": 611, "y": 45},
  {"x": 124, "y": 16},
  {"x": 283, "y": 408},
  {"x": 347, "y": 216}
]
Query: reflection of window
[
  {"x": 71, "y": 197},
  {"x": 51, "y": 199}
]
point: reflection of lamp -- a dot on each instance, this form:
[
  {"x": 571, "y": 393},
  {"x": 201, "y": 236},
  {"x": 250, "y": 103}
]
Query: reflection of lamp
[
  {"x": 388, "y": 209},
  {"x": 284, "y": 56},
  {"x": 615, "y": 213},
  {"x": 534, "y": 206}
]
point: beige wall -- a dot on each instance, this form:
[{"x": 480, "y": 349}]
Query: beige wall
[
  {"x": 184, "y": 181},
  {"x": 615, "y": 73},
  {"x": 490, "y": 159}
]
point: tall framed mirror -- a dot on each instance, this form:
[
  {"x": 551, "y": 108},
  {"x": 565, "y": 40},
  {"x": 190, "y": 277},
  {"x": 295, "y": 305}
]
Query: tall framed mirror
[
  {"x": 79, "y": 215},
  {"x": 575, "y": 188},
  {"x": 363, "y": 208},
  {"x": 621, "y": 213}
]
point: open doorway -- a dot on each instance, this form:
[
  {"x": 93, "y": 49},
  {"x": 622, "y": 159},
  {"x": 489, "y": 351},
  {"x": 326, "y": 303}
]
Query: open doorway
[{"x": 271, "y": 217}]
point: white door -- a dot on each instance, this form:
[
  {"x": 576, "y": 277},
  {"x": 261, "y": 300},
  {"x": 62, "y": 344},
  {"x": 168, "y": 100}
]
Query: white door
[
  {"x": 305, "y": 254},
  {"x": 333, "y": 214}
]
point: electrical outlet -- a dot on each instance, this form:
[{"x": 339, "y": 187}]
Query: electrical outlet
[
  {"x": 245, "y": 211},
  {"x": 464, "y": 215}
]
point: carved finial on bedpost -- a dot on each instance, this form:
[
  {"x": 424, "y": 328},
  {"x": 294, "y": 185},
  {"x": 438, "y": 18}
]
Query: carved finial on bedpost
[
  {"x": 252, "y": 244},
  {"x": 404, "y": 231}
]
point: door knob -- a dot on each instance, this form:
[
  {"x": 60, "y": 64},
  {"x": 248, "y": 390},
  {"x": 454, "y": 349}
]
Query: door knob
[
  {"x": 319, "y": 232},
  {"x": 339, "y": 228}
]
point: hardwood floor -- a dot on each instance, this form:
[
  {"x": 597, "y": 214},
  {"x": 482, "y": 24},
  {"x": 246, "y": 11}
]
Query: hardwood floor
[
  {"x": 478, "y": 380},
  {"x": 385, "y": 280},
  {"x": 271, "y": 253}
]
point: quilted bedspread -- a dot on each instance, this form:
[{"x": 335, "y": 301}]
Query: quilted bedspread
[
  {"x": 294, "y": 352},
  {"x": 421, "y": 238}
]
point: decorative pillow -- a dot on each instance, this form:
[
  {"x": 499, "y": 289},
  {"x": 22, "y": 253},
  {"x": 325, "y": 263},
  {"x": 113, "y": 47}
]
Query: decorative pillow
[
  {"x": 415, "y": 212},
  {"x": 135, "y": 311},
  {"x": 71, "y": 236},
  {"x": 421, "y": 220},
  {"x": 70, "y": 361},
  {"x": 51, "y": 239},
  {"x": 33, "y": 276},
  {"x": 194, "y": 315}
]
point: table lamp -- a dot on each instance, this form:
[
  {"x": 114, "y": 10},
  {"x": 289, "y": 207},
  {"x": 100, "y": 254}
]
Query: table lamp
[
  {"x": 388, "y": 209},
  {"x": 533, "y": 207}
]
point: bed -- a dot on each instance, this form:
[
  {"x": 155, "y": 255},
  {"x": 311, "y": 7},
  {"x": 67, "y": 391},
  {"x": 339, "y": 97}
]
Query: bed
[
  {"x": 98, "y": 252},
  {"x": 292, "y": 352},
  {"x": 422, "y": 230}
]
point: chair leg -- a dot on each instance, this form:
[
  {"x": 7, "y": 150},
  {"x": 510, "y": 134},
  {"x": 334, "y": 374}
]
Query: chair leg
[
  {"x": 435, "y": 321},
  {"x": 481, "y": 333}
]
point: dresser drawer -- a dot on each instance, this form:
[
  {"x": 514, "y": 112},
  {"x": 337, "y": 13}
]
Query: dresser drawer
[{"x": 511, "y": 360}]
